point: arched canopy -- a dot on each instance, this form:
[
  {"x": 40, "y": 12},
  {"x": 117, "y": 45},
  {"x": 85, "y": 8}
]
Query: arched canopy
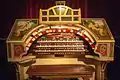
[{"x": 44, "y": 29}]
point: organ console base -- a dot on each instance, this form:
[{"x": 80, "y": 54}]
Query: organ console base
[{"x": 72, "y": 64}]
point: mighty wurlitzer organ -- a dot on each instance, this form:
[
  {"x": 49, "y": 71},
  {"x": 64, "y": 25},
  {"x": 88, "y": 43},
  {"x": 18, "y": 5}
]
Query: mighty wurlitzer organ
[{"x": 60, "y": 45}]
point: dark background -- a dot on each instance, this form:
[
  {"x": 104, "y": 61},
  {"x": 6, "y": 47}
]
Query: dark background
[{"x": 14, "y": 9}]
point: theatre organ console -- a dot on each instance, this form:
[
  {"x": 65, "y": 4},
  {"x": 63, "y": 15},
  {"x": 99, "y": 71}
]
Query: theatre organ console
[{"x": 59, "y": 45}]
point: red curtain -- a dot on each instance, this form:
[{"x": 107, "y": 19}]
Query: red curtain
[{"x": 33, "y": 6}]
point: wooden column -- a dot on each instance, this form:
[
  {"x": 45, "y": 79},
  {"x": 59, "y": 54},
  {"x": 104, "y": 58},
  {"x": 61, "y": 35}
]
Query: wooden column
[
  {"x": 100, "y": 70},
  {"x": 21, "y": 72},
  {"x": 103, "y": 72}
]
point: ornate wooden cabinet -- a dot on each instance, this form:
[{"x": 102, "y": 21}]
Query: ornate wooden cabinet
[{"x": 60, "y": 44}]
